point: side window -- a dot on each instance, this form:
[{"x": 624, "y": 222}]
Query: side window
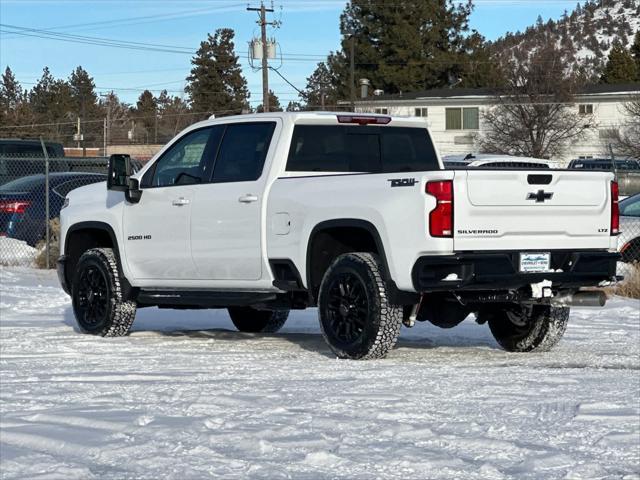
[
  {"x": 243, "y": 152},
  {"x": 408, "y": 150},
  {"x": 184, "y": 163}
]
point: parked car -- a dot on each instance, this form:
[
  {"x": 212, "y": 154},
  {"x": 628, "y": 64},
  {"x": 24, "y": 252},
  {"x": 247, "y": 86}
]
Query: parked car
[
  {"x": 605, "y": 164},
  {"x": 629, "y": 239},
  {"x": 20, "y": 158},
  {"x": 627, "y": 172},
  {"x": 22, "y": 202},
  {"x": 12, "y": 147},
  {"x": 457, "y": 162},
  {"x": 354, "y": 214},
  {"x": 511, "y": 162}
]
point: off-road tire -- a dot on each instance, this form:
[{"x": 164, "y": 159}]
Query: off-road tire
[
  {"x": 375, "y": 330},
  {"x": 116, "y": 314},
  {"x": 542, "y": 330},
  {"x": 251, "y": 320}
]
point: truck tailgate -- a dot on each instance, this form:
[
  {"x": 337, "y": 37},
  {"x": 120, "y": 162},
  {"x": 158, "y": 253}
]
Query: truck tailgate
[{"x": 531, "y": 210}]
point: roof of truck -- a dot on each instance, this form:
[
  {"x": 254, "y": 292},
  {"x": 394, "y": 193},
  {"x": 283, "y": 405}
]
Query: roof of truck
[{"x": 314, "y": 117}]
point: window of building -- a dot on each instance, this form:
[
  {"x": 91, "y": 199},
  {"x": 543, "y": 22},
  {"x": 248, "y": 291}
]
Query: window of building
[
  {"x": 421, "y": 112},
  {"x": 316, "y": 148},
  {"x": 462, "y": 118},
  {"x": 381, "y": 110},
  {"x": 608, "y": 133},
  {"x": 585, "y": 109}
]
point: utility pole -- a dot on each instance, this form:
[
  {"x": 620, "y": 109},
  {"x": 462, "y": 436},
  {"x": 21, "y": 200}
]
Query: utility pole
[
  {"x": 352, "y": 69},
  {"x": 78, "y": 132},
  {"x": 107, "y": 121},
  {"x": 265, "y": 61}
]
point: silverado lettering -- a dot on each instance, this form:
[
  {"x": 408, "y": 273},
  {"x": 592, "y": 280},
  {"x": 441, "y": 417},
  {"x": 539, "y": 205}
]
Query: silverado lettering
[{"x": 477, "y": 232}]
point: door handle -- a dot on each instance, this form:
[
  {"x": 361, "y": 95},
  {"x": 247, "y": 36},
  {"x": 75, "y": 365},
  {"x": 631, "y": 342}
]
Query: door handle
[
  {"x": 248, "y": 198},
  {"x": 180, "y": 202}
]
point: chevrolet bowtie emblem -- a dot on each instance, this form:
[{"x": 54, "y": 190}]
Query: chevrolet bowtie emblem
[{"x": 540, "y": 196}]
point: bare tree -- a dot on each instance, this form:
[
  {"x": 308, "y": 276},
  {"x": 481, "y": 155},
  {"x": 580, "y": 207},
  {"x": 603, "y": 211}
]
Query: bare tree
[
  {"x": 535, "y": 114},
  {"x": 626, "y": 140}
]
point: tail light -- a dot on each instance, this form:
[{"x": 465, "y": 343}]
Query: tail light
[
  {"x": 364, "y": 119},
  {"x": 13, "y": 206},
  {"x": 441, "y": 217},
  {"x": 615, "y": 209}
]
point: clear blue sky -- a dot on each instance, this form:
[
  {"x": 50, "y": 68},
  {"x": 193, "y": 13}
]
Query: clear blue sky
[{"x": 309, "y": 28}]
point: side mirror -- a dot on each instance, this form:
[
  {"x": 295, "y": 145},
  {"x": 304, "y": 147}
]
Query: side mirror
[
  {"x": 119, "y": 172},
  {"x": 133, "y": 193},
  {"x": 119, "y": 178}
]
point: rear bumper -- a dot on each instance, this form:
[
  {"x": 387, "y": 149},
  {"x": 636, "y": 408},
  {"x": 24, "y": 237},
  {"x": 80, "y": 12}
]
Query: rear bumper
[
  {"x": 500, "y": 270},
  {"x": 61, "y": 266}
]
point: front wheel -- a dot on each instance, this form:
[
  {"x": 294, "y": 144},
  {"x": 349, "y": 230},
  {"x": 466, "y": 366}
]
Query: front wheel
[
  {"x": 535, "y": 329},
  {"x": 356, "y": 318},
  {"x": 251, "y": 320},
  {"x": 98, "y": 302}
]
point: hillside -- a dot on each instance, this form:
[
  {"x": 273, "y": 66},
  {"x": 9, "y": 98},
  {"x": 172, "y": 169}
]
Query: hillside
[{"x": 587, "y": 33}]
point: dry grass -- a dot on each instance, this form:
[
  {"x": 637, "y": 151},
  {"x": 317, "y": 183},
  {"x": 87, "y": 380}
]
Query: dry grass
[
  {"x": 54, "y": 246},
  {"x": 630, "y": 287}
]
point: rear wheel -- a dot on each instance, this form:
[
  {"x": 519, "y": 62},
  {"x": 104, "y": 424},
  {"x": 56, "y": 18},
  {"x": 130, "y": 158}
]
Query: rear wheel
[
  {"x": 251, "y": 320},
  {"x": 519, "y": 329},
  {"x": 356, "y": 318}
]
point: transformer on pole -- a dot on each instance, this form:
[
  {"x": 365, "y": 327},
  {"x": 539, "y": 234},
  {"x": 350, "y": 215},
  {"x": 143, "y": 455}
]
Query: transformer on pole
[{"x": 263, "y": 49}]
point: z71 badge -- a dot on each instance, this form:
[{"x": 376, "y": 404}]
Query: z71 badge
[{"x": 402, "y": 182}]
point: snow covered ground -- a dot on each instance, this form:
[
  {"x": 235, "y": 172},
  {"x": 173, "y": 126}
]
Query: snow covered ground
[{"x": 185, "y": 396}]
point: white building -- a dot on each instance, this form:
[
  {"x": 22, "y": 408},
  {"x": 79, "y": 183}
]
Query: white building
[{"x": 455, "y": 115}]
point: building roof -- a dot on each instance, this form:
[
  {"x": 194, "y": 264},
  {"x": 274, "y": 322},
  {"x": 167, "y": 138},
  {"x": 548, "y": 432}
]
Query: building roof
[{"x": 489, "y": 92}]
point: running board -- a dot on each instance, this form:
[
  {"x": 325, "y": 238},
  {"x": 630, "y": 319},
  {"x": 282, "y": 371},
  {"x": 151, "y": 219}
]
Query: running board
[{"x": 202, "y": 298}]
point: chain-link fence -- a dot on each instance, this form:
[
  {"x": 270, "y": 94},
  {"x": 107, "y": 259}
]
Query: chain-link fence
[
  {"x": 32, "y": 193},
  {"x": 31, "y": 200}
]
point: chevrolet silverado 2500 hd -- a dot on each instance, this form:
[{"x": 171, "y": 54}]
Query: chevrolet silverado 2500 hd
[{"x": 354, "y": 214}]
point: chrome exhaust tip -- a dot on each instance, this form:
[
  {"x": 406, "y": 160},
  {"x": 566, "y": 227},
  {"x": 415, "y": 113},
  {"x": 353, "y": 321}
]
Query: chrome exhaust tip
[{"x": 590, "y": 298}]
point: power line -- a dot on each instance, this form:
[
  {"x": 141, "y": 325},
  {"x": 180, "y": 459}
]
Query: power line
[{"x": 139, "y": 19}]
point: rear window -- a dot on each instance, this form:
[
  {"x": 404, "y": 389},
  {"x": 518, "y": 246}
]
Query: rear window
[
  {"x": 361, "y": 149},
  {"x": 64, "y": 188},
  {"x": 24, "y": 184},
  {"x": 606, "y": 165}
]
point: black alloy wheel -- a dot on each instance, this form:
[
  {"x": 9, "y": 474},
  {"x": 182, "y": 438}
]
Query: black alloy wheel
[{"x": 93, "y": 298}]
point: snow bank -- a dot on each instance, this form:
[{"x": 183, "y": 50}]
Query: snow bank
[
  {"x": 185, "y": 396},
  {"x": 16, "y": 252}
]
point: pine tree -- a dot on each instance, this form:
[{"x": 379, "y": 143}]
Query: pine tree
[
  {"x": 145, "y": 116},
  {"x": 274, "y": 104},
  {"x": 621, "y": 66},
  {"x": 400, "y": 46},
  {"x": 52, "y": 104},
  {"x": 11, "y": 93},
  {"x": 294, "y": 106},
  {"x": 173, "y": 116},
  {"x": 320, "y": 92},
  {"x": 85, "y": 101},
  {"x": 117, "y": 114},
  {"x": 14, "y": 107},
  {"x": 216, "y": 84}
]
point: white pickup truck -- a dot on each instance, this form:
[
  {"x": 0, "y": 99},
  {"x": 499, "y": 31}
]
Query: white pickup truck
[{"x": 351, "y": 213}]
